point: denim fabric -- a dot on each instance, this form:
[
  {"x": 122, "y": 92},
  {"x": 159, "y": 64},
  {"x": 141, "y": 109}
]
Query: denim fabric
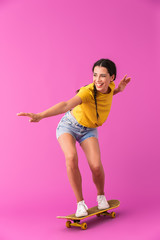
[{"x": 68, "y": 124}]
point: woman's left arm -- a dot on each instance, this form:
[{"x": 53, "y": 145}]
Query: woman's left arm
[{"x": 122, "y": 85}]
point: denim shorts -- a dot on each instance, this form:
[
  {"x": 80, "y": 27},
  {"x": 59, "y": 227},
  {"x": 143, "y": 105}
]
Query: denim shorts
[{"x": 68, "y": 124}]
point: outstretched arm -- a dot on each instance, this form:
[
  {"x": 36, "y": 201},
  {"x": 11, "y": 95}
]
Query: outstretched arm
[
  {"x": 122, "y": 85},
  {"x": 59, "y": 108}
]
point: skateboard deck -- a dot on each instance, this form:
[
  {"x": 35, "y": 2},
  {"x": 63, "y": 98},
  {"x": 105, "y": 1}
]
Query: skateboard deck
[{"x": 75, "y": 221}]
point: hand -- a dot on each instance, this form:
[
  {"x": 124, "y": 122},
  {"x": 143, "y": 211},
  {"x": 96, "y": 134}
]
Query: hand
[
  {"x": 35, "y": 117},
  {"x": 123, "y": 83}
]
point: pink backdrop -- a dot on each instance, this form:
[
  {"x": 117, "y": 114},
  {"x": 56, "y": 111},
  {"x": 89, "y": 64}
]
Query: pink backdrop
[{"x": 47, "y": 49}]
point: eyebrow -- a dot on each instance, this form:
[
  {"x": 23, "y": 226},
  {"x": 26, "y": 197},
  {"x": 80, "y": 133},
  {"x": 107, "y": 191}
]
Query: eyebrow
[{"x": 101, "y": 73}]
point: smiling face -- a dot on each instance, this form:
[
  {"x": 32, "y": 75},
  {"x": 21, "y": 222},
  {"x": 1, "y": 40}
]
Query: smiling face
[{"x": 102, "y": 79}]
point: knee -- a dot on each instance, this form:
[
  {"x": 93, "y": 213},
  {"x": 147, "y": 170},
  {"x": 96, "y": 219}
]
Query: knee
[
  {"x": 71, "y": 161},
  {"x": 97, "y": 170}
]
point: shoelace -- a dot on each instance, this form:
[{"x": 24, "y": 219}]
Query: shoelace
[
  {"x": 100, "y": 198},
  {"x": 81, "y": 205}
]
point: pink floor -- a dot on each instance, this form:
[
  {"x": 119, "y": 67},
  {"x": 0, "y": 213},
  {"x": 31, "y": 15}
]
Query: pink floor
[{"x": 130, "y": 223}]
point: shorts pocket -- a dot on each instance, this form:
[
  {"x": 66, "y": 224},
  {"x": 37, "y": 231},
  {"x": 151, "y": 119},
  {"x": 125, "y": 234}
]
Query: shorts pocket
[{"x": 66, "y": 120}]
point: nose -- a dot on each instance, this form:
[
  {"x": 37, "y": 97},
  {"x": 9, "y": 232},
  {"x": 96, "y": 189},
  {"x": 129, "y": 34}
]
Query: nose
[{"x": 97, "y": 78}]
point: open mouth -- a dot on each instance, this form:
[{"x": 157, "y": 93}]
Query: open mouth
[{"x": 98, "y": 85}]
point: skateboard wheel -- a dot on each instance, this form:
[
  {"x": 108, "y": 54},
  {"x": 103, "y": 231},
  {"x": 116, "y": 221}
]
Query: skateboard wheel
[
  {"x": 84, "y": 226},
  {"x": 98, "y": 215},
  {"x": 113, "y": 214},
  {"x": 68, "y": 224}
]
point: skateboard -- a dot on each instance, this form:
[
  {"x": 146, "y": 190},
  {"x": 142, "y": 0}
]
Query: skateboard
[{"x": 75, "y": 221}]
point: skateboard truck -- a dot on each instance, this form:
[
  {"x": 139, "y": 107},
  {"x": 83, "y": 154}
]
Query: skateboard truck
[{"x": 76, "y": 223}]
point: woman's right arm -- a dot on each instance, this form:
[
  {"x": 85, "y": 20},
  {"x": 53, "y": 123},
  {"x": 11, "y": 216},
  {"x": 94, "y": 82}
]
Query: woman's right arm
[{"x": 59, "y": 108}]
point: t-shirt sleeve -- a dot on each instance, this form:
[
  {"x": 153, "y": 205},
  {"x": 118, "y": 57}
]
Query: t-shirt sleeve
[
  {"x": 84, "y": 94},
  {"x": 112, "y": 85}
]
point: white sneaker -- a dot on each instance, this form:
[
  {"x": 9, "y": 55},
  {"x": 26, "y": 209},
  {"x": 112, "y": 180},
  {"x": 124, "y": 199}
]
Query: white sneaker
[
  {"x": 81, "y": 209},
  {"x": 102, "y": 202}
]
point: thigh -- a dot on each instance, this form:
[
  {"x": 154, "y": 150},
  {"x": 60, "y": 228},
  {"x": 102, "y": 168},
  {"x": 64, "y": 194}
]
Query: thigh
[
  {"x": 68, "y": 146},
  {"x": 91, "y": 149}
]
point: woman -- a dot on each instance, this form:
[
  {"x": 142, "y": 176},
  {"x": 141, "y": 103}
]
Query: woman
[{"x": 86, "y": 111}]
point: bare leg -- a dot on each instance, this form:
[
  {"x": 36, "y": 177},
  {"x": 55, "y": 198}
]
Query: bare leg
[
  {"x": 68, "y": 145},
  {"x": 91, "y": 149}
]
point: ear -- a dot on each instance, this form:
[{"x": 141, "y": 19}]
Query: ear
[{"x": 112, "y": 77}]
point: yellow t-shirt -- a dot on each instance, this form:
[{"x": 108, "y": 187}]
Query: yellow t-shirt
[{"x": 85, "y": 113}]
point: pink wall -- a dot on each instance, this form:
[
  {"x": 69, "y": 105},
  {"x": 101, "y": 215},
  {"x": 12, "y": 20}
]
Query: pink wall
[{"x": 47, "y": 49}]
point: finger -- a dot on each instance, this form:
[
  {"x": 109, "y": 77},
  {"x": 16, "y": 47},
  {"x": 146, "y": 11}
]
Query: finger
[
  {"x": 21, "y": 114},
  {"x": 125, "y": 76},
  {"x": 127, "y": 80},
  {"x": 24, "y": 114},
  {"x": 31, "y": 120}
]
